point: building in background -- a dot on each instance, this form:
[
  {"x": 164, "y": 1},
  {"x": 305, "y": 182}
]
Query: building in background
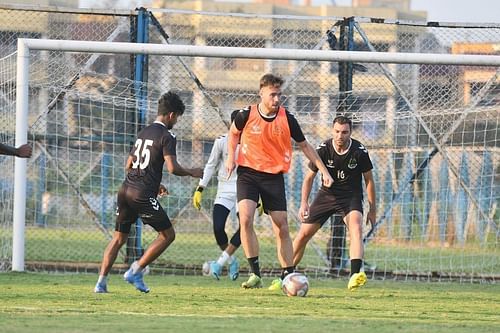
[{"x": 221, "y": 76}]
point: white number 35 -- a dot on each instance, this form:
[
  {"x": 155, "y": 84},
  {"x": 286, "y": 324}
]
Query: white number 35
[{"x": 142, "y": 154}]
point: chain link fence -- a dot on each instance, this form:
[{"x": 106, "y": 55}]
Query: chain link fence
[{"x": 432, "y": 132}]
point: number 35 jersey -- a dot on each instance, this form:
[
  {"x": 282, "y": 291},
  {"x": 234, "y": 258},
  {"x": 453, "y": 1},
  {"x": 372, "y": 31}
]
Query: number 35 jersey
[
  {"x": 346, "y": 169},
  {"x": 152, "y": 144}
]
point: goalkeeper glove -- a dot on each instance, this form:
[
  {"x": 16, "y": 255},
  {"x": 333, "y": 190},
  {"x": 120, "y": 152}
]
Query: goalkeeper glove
[
  {"x": 197, "y": 197},
  {"x": 260, "y": 207}
]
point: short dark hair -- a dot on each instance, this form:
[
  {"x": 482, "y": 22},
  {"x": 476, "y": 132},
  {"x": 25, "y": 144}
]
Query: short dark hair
[
  {"x": 170, "y": 102},
  {"x": 343, "y": 120},
  {"x": 270, "y": 80}
]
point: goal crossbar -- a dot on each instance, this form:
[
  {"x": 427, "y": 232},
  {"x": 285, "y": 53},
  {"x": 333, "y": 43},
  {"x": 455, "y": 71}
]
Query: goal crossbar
[{"x": 258, "y": 53}]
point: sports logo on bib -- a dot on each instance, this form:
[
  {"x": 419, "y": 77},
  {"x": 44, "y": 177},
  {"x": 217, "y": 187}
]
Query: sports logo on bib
[{"x": 256, "y": 129}]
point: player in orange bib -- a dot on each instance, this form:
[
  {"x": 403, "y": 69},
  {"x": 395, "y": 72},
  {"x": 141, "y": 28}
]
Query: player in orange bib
[{"x": 264, "y": 132}]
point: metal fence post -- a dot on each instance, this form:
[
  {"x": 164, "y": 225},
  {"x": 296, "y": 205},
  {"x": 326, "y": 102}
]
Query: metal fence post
[{"x": 140, "y": 77}]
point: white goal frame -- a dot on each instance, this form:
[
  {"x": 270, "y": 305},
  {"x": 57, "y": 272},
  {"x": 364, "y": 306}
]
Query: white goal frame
[{"x": 22, "y": 84}]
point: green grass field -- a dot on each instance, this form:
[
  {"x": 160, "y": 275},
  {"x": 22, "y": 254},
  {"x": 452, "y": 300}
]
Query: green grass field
[{"x": 35, "y": 302}]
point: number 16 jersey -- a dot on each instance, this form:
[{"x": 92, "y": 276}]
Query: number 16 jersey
[{"x": 346, "y": 169}]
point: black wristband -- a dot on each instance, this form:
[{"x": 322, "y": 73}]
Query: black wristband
[{"x": 199, "y": 189}]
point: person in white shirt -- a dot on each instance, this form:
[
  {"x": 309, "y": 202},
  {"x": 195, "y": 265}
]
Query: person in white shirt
[{"x": 225, "y": 202}]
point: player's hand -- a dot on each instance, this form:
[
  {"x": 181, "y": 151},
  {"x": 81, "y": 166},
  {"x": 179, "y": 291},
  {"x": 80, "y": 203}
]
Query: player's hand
[
  {"x": 327, "y": 179},
  {"x": 260, "y": 207},
  {"x": 24, "y": 151},
  {"x": 162, "y": 191},
  {"x": 197, "y": 172},
  {"x": 197, "y": 197},
  {"x": 229, "y": 165},
  {"x": 303, "y": 212},
  {"x": 371, "y": 218}
]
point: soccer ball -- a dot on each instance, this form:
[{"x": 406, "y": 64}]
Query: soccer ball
[
  {"x": 295, "y": 284},
  {"x": 205, "y": 270}
]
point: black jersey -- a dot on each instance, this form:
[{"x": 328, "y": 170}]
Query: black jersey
[
  {"x": 346, "y": 169},
  {"x": 152, "y": 144},
  {"x": 295, "y": 131}
]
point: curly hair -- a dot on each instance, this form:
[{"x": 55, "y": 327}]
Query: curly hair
[{"x": 170, "y": 102}]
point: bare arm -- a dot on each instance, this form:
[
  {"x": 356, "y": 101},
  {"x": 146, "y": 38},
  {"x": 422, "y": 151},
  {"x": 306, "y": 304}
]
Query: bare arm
[
  {"x": 23, "y": 150},
  {"x": 175, "y": 168},
  {"x": 233, "y": 138},
  {"x": 372, "y": 198},
  {"x": 313, "y": 156},
  {"x": 306, "y": 191}
]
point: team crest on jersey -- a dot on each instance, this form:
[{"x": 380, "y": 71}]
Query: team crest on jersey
[
  {"x": 352, "y": 163},
  {"x": 256, "y": 129},
  {"x": 329, "y": 164},
  {"x": 278, "y": 130}
]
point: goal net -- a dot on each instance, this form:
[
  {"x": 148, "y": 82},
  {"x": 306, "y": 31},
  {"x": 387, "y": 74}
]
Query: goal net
[{"x": 432, "y": 131}]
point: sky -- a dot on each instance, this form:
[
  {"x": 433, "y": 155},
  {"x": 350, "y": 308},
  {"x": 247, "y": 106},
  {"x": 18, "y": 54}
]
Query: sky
[{"x": 468, "y": 11}]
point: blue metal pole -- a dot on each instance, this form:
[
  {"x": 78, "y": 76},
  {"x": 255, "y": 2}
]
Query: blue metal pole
[
  {"x": 486, "y": 194},
  {"x": 141, "y": 95},
  {"x": 40, "y": 211},
  {"x": 462, "y": 203},
  {"x": 444, "y": 195},
  {"x": 105, "y": 164}
]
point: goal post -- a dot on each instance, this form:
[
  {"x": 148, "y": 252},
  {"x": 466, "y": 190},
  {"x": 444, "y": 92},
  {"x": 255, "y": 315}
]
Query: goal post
[
  {"x": 403, "y": 173},
  {"x": 19, "y": 213}
]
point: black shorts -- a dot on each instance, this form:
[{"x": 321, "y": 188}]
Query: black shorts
[
  {"x": 325, "y": 204},
  {"x": 270, "y": 187},
  {"x": 133, "y": 203}
]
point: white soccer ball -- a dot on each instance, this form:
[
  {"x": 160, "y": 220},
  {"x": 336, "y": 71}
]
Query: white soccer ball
[
  {"x": 205, "y": 270},
  {"x": 295, "y": 284}
]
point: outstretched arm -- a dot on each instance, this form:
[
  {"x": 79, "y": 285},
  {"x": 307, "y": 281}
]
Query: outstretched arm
[
  {"x": 23, "y": 150},
  {"x": 313, "y": 156},
  {"x": 176, "y": 169}
]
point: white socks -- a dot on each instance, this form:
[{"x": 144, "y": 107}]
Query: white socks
[
  {"x": 102, "y": 279},
  {"x": 135, "y": 267},
  {"x": 225, "y": 257}
]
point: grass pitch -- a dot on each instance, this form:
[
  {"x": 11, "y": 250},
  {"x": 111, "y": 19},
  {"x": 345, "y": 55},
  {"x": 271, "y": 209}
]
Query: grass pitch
[{"x": 35, "y": 302}]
